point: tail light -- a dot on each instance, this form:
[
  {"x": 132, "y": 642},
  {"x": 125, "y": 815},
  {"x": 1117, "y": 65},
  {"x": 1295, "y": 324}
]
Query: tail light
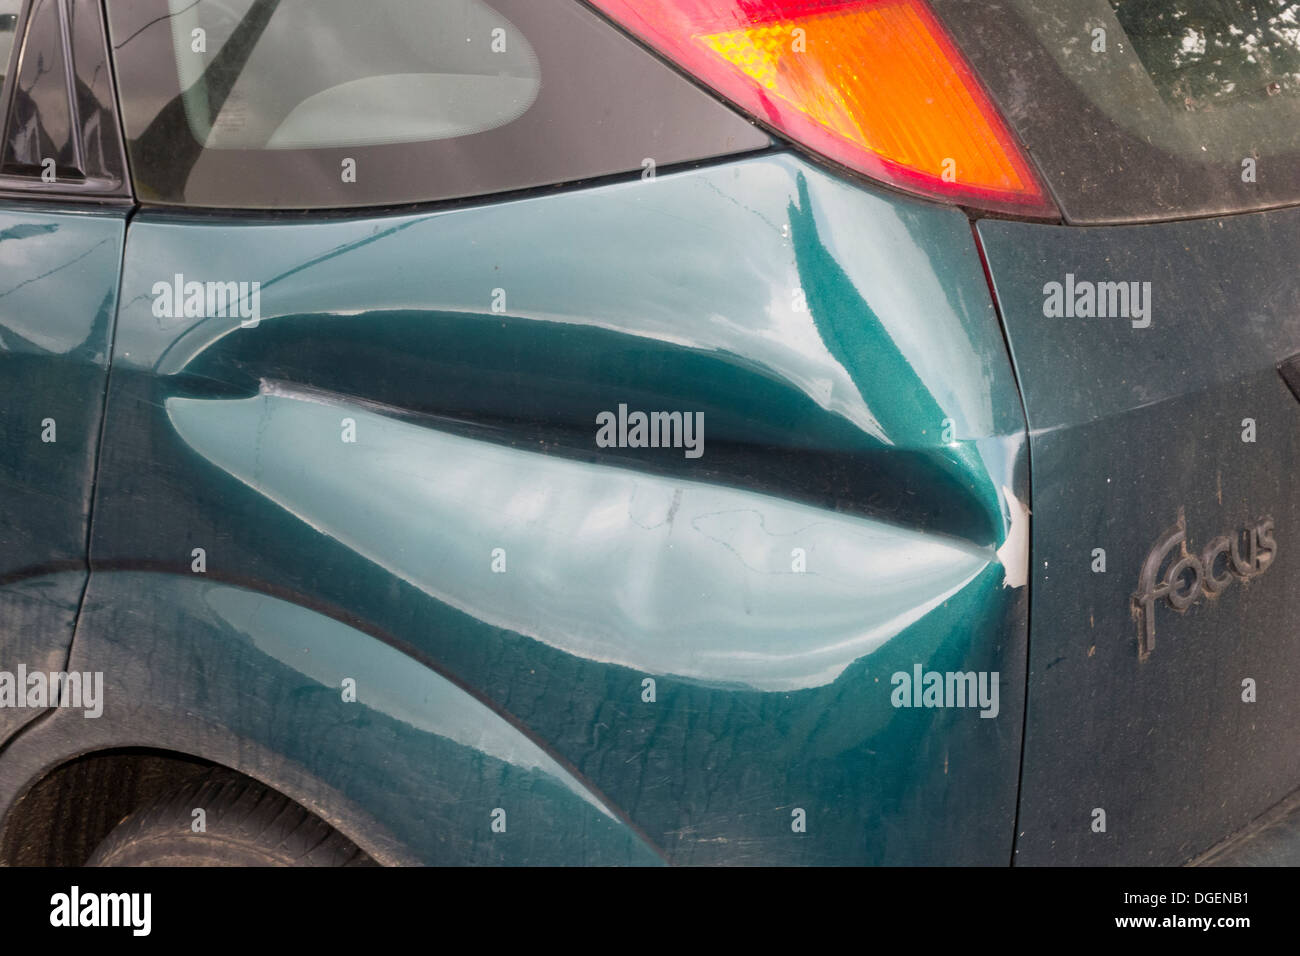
[{"x": 876, "y": 85}]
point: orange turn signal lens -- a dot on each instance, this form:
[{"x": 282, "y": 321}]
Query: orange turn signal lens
[{"x": 876, "y": 85}]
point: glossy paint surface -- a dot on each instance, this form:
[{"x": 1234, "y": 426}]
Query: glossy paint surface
[
  {"x": 1129, "y": 426},
  {"x": 245, "y": 679},
  {"x": 58, "y": 294},
  {"x": 685, "y": 656}
]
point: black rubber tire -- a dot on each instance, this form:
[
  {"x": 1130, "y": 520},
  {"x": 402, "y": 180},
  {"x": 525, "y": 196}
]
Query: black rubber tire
[{"x": 247, "y": 824}]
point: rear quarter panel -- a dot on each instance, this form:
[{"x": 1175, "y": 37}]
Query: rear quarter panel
[{"x": 858, "y": 405}]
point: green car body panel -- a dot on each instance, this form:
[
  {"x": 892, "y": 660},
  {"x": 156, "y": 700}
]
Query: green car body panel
[
  {"x": 1135, "y": 422},
  {"x": 323, "y": 449},
  {"x": 636, "y": 655},
  {"x": 58, "y": 295}
]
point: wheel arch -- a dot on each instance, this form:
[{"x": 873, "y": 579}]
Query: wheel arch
[{"x": 409, "y": 766}]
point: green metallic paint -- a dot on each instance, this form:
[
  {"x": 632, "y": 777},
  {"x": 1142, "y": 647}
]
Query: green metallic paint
[
  {"x": 255, "y": 683},
  {"x": 58, "y": 294},
  {"x": 877, "y": 426}
]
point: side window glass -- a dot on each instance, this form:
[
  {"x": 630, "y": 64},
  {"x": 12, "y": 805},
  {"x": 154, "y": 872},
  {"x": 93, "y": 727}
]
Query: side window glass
[
  {"x": 299, "y": 104},
  {"x": 303, "y": 74}
]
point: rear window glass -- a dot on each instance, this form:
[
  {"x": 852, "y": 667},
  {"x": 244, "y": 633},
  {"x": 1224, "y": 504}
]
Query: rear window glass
[
  {"x": 1147, "y": 109},
  {"x": 333, "y": 103},
  {"x": 1216, "y": 56}
]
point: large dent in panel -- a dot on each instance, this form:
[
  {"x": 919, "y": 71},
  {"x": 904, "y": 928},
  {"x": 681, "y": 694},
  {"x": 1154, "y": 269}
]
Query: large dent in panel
[{"x": 669, "y": 577}]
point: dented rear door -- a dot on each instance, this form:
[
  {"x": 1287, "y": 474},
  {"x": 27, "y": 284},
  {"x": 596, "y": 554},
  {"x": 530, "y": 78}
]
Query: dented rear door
[{"x": 63, "y": 211}]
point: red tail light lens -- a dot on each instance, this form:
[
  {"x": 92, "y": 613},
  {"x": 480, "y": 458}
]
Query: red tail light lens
[{"x": 876, "y": 85}]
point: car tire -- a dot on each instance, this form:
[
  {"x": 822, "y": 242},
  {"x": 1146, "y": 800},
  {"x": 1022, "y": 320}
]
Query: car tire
[{"x": 246, "y": 824}]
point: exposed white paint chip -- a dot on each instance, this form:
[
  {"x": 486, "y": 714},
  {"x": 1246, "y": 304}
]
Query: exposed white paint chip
[{"x": 1014, "y": 553}]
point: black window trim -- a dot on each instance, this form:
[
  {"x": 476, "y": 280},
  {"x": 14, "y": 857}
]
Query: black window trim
[{"x": 112, "y": 186}]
